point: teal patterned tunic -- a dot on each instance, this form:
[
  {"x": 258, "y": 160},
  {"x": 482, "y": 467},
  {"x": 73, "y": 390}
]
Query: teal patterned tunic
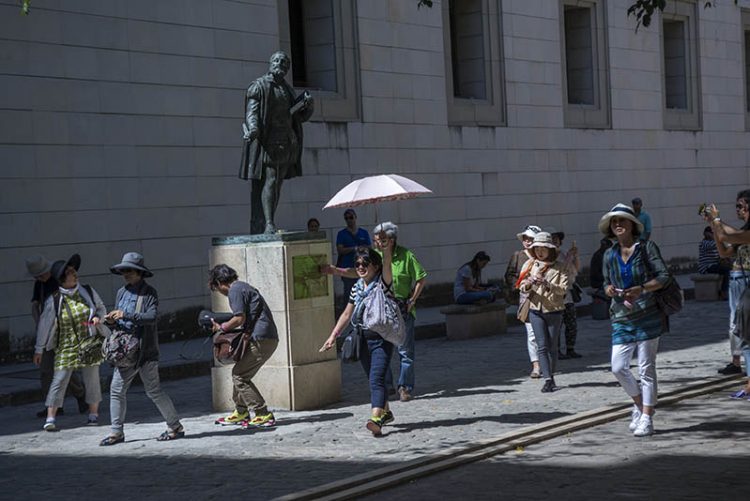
[{"x": 643, "y": 320}]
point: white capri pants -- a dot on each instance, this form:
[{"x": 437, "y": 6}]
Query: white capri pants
[
  {"x": 531, "y": 343},
  {"x": 60, "y": 380},
  {"x": 646, "y": 352}
]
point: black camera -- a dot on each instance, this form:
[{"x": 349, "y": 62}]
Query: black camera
[
  {"x": 205, "y": 317},
  {"x": 703, "y": 209}
]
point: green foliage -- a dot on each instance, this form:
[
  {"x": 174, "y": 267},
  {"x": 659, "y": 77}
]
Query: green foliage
[
  {"x": 25, "y": 4},
  {"x": 643, "y": 10}
]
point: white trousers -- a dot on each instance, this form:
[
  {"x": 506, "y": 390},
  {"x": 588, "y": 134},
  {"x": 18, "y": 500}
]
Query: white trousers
[
  {"x": 531, "y": 343},
  {"x": 646, "y": 353}
]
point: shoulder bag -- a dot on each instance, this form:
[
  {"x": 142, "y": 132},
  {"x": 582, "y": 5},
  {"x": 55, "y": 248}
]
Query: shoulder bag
[
  {"x": 669, "y": 298},
  {"x": 382, "y": 315},
  {"x": 230, "y": 347},
  {"x": 121, "y": 348}
]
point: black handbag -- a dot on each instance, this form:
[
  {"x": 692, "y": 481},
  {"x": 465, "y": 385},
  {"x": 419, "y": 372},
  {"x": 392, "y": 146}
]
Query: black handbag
[
  {"x": 669, "y": 298},
  {"x": 351, "y": 348}
]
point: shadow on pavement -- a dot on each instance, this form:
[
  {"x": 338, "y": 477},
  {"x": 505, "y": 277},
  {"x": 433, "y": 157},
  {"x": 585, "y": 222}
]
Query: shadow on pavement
[{"x": 520, "y": 418}]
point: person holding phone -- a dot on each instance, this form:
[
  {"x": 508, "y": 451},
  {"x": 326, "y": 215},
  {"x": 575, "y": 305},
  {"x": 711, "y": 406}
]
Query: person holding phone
[
  {"x": 637, "y": 321},
  {"x": 135, "y": 313}
]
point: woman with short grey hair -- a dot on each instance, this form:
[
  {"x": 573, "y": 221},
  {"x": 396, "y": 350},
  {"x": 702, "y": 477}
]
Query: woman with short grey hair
[{"x": 408, "y": 282}]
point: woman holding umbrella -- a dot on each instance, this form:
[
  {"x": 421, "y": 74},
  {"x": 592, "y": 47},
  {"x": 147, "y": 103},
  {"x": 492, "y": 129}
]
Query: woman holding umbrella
[{"x": 370, "y": 268}]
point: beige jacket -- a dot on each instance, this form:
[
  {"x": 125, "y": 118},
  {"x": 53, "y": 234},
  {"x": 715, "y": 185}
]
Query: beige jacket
[{"x": 548, "y": 296}]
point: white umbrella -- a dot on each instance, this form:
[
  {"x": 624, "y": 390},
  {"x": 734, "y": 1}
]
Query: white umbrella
[{"x": 373, "y": 189}]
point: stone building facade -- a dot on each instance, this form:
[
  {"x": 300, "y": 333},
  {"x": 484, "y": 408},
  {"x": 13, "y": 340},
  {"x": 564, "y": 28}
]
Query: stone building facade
[{"x": 120, "y": 125}]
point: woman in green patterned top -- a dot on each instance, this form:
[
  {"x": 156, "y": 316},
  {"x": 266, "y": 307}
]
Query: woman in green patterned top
[{"x": 70, "y": 325}]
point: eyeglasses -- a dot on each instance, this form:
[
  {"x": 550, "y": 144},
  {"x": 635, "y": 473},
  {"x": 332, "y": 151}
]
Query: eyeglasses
[
  {"x": 127, "y": 270},
  {"x": 349, "y": 218},
  {"x": 362, "y": 264}
]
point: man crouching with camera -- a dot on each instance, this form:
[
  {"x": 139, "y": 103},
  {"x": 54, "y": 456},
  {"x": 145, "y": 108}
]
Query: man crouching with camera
[{"x": 252, "y": 315}]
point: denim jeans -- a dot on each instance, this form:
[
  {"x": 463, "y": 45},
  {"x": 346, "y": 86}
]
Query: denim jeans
[
  {"x": 737, "y": 286},
  {"x": 406, "y": 354},
  {"x": 376, "y": 361},
  {"x": 547, "y": 332},
  {"x": 473, "y": 297},
  {"x": 118, "y": 403}
]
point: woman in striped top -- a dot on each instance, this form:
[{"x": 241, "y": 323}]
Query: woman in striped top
[
  {"x": 376, "y": 359},
  {"x": 637, "y": 321}
]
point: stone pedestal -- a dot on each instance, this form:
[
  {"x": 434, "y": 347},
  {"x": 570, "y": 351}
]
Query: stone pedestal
[{"x": 284, "y": 268}]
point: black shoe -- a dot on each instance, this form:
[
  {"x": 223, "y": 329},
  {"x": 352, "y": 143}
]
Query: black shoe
[
  {"x": 571, "y": 353},
  {"x": 549, "y": 386},
  {"x": 83, "y": 407},
  {"x": 563, "y": 356},
  {"x": 730, "y": 369}
]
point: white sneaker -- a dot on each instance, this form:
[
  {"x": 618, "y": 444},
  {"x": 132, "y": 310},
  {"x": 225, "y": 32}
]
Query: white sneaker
[
  {"x": 50, "y": 426},
  {"x": 635, "y": 416},
  {"x": 645, "y": 426}
]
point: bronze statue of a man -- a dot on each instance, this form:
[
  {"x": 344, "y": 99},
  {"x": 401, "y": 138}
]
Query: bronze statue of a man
[{"x": 273, "y": 140}]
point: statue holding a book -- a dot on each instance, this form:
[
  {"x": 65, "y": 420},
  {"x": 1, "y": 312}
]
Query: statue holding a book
[{"x": 272, "y": 133}]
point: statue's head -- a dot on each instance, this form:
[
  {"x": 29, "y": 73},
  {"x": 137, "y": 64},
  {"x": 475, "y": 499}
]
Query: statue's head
[{"x": 279, "y": 64}]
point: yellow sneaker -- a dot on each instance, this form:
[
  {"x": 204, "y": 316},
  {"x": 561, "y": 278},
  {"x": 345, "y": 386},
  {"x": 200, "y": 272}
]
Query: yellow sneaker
[
  {"x": 261, "y": 421},
  {"x": 235, "y": 418}
]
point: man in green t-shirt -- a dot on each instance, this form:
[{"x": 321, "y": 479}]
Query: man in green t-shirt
[{"x": 408, "y": 282}]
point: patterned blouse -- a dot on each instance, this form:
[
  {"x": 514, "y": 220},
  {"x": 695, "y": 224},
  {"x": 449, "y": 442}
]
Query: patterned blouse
[
  {"x": 742, "y": 259},
  {"x": 642, "y": 320},
  {"x": 72, "y": 333}
]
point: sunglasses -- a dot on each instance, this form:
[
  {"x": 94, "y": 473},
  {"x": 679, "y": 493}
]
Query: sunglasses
[{"x": 362, "y": 264}]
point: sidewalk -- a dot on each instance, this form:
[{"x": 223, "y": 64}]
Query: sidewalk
[
  {"x": 700, "y": 452},
  {"x": 19, "y": 383},
  {"x": 466, "y": 391}
]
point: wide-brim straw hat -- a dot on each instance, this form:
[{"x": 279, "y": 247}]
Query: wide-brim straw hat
[
  {"x": 131, "y": 261},
  {"x": 530, "y": 231},
  {"x": 59, "y": 267},
  {"x": 543, "y": 239},
  {"x": 37, "y": 265},
  {"x": 619, "y": 210}
]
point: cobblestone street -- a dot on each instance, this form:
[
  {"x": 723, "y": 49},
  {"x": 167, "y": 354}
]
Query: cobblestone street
[{"x": 467, "y": 391}]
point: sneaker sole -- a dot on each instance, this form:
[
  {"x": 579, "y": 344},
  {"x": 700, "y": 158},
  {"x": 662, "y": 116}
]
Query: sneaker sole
[
  {"x": 224, "y": 423},
  {"x": 374, "y": 428},
  {"x": 268, "y": 424}
]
